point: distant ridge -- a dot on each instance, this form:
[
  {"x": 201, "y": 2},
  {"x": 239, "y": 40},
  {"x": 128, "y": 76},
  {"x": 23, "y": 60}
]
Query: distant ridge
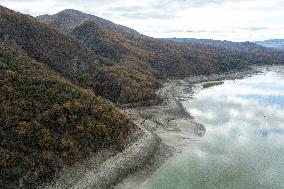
[
  {"x": 245, "y": 46},
  {"x": 273, "y": 43}
]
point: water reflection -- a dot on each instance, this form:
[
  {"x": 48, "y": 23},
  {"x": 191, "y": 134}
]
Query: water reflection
[{"x": 244, "y": 143}]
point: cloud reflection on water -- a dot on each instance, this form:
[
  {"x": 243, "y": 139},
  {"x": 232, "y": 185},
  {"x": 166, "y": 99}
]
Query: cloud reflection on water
[{"x": 244, "y": 142}]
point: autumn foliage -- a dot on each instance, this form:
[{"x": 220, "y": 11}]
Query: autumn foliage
[{"x": 46, "y": 121}]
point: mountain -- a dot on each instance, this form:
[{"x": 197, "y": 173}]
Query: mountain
[
  {"x": 162, "y": 58},
  {"x": 47, "y": 45},
  {"x": 75, "y": 61},
  {"x": 273, "y": 43},
  {"x": 47, "y": 122},
  {"x": 69, "y": 17}
]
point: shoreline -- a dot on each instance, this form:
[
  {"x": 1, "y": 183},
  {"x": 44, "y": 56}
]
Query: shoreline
[
  {"x": 174, "y": 127},
  {"x": 166, "y": 130},
  {"x": 172, "y": 123}
]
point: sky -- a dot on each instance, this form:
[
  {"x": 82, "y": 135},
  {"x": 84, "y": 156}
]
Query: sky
[{"x": 235, "y": 20}]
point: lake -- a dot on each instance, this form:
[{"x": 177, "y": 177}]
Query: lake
[{"x": 243, "y": 147}]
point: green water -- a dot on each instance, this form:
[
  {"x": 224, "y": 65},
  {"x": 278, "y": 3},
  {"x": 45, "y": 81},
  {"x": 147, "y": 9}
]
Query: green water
[{"x": 243, "y": 147}]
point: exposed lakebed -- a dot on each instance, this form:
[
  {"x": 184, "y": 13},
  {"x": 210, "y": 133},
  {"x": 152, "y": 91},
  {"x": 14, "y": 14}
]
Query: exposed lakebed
[{"x": 244, "y": 142}]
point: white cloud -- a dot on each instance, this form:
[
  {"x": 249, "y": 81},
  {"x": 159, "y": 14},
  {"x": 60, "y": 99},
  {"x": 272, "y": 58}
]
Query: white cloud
[{"x": 237, "y": 20}]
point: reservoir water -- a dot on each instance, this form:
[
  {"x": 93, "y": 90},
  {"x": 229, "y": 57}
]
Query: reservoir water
[{"x": 243, "y": 147}]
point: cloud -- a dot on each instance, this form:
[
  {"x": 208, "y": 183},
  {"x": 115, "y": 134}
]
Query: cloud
[
  {"x": 237, "y": 20},
  {"x": 255, "y": 28}
]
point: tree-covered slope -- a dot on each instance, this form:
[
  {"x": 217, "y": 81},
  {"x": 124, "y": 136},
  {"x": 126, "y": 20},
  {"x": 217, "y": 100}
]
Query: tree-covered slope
[
  {"x": 46, "y": 122},
  {"x": 106, "y": 41}
]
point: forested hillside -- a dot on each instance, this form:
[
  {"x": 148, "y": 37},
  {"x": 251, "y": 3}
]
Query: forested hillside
[{"x": 46, "y": 122}]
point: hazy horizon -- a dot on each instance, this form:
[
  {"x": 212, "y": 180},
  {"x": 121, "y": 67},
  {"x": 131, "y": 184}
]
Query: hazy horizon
[{"x": 251, "y": 20}]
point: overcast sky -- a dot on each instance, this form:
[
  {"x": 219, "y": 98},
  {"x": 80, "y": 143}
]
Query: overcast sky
[{"x": 236, "y": 20}]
